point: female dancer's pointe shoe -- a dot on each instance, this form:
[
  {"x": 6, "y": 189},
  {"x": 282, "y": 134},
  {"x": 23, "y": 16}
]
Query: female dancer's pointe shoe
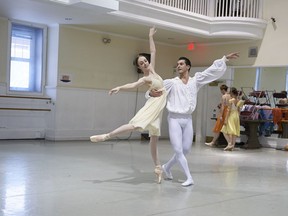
[
  {"x": 99, "y": 138},
  {"x": 210, "y": 144},
  {"x": 158, "y": 171},
  {"x": 229, "y": 148},
  {"x": 167, "y": 173}
]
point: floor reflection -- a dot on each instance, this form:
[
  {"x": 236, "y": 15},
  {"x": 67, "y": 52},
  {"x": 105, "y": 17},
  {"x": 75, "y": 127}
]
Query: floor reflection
[{"x": 13, "y": 184}]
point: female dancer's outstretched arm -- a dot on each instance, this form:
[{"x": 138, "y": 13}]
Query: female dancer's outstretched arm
[{"x": 140, "y": 82}]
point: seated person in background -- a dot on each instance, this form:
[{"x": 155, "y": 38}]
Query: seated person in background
[
  {"x": 283, "y": 100},
  {"x": 266, "y": 128}
]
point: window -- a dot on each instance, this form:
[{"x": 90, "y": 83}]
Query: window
[{"x": 27, "y": 55}]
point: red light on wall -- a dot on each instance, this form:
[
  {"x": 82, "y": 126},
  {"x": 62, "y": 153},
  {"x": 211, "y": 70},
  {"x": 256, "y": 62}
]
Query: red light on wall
[{"x": 191, "y": 46}]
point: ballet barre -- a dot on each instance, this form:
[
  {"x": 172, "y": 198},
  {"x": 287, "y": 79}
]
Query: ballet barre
[
  {"x": 25, "y": 97},
  {"x": 24, "y": 109},
  {"x": 19, "y": 108}
]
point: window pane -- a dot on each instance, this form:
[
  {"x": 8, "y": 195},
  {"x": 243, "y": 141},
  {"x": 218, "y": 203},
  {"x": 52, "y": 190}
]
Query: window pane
[
  {"x": 240, "y": 77},
  {"x": 19, "y": 74},
  {"x": 273, "y": 75},
  {"x": 20, "y": 47}
]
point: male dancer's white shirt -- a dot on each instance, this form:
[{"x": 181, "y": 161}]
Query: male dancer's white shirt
[{"x": 182, "y": 98}]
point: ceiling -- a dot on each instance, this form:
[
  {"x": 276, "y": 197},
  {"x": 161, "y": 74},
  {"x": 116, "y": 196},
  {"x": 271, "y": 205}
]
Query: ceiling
[{"x": 96, "y": 18}]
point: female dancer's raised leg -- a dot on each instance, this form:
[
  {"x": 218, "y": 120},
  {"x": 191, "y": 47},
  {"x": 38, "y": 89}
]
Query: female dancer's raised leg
[{"x": 122, "y": 129}]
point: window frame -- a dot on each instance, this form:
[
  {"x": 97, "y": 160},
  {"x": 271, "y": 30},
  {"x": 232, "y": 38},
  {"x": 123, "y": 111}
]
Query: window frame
[{"x": 43, "y": 59}]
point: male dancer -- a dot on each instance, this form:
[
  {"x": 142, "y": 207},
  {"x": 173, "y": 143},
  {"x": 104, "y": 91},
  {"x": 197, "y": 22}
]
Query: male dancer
[
  {"x": 181, "y": 102},
  {"x": 222, "y": 114}
]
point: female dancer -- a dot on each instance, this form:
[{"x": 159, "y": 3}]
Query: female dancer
[
  {"x": 149, "y": 117},
  {"x": 231, "y": 127},
  {"x": 222, "y": 114}
]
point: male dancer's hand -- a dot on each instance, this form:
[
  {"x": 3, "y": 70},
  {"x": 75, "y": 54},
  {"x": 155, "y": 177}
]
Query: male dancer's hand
[
  {"x": 232, "y": 55},
  {"x": 155, "y": 93}
]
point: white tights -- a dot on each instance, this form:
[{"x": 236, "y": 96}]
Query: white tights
[{"x": 181, "y": 138}]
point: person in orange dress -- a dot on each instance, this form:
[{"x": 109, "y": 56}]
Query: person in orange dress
[{"x": 221, "y": 115}]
